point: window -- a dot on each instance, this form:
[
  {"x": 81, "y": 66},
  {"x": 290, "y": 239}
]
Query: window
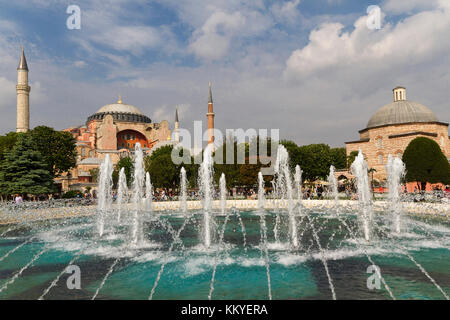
[
  {"x": 91, "y": 154},
  {"x": 399, "y": 155},
  {"x": 380, "y": 143},
  {"x": 380, "y": 159},
  {"x": 83, "y": 152}
]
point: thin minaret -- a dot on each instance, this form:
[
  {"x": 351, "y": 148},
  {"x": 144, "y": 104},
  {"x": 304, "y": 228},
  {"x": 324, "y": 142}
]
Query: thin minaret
[
  {"x": 177, "y": 126},
  {"x": 23, "y": 96},
  {"x": 210, "y": 117}
]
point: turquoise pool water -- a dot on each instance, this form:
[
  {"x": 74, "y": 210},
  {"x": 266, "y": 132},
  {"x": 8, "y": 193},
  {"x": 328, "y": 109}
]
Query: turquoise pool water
[{"x": 172, "y": 263}]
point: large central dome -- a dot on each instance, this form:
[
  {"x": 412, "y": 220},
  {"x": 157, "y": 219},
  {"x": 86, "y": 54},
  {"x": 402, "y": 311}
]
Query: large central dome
[
  {"x": 120, "y": 112},
  {"x": 401, "y": 111}
]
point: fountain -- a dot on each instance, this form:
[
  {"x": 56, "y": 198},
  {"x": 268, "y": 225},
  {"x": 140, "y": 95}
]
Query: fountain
[
  {"x": 196, "y": 255},
  {"x": 148, "y": 193},
  {"x": 138, "y": 194},
  {"x": 333, "y": 185},
  {"x": 395, "y": 172},
  {"x": 360, "y": 170},
  {"x": 122, "y": 193},
  {"x": 205, "y": 179},
  {"x": 104, "y": 193},
  {"x": 284, "y": 185},
  {"x": 183, "y": 193},
  {"x": 223, "y": 193}
]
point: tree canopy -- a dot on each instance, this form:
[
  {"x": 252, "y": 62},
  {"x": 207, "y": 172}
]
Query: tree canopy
[
  {"x": 315, "y": 159},
  {"x": 24, "y": 170},
  {"x": 425, "y": 162},
  {"x": 56, "y": 147}
]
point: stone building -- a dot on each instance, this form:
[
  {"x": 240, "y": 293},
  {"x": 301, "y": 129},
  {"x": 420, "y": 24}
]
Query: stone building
[
  {"x": 392, "y": 127},
  {"x": 114, "y": 129}
]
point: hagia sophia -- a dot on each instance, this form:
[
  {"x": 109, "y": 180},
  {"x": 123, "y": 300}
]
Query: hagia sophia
[{"x": 115, "y": 129}]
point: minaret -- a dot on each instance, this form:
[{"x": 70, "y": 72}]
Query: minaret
[
  {"x": 23, "y": 96},
  {"x": 210, "y": 116},
  {"x": 177, "y": 126}
]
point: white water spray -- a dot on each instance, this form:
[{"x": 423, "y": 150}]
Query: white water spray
[
  {"x": 104, "y": 193},
  {"x": 359, "y": 169},
  {"x": 138, "y": 194},
  {"x": 183, "y": 187},
  {"x": 223, "y": 193},
  {"x": 284, "y": 185},
  {"x": 122, "y": 192},
  {"x": 205, "y": 178},
  {"x": 148, "y": 193},
  {"x": 395, "y": 172}
]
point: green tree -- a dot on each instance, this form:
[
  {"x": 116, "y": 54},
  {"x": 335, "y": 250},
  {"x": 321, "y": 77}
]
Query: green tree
[
  {"x": 56, "y": 147},
  {"x": 7, "y": 142},
  {"x": 425, "y": 162},
  {"x": 24, "y": 170},
  {"x": 128, "y": 165},
  {"x": 339, "y": 158},
  {"x": 163, "y": 171},
  {"x": 94, "y": 174},
  {"x": 315, "y": 161}
]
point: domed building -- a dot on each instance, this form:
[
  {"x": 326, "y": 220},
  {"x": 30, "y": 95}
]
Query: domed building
[
  {"x": 114, "y": 129},
  {"x": 392, "y": 127}
]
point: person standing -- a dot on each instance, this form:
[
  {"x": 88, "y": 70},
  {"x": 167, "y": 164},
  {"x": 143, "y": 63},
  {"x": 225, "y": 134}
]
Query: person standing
[{"x": 18, "y": 199}]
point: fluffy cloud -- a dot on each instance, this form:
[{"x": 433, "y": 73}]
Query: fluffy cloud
[{"x": 415, "y": 39}]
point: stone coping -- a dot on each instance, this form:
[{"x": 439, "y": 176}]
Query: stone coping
[{"x": 442, "y": 209}]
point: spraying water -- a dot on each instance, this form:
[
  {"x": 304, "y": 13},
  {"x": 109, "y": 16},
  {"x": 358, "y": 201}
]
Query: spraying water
[
  {"x": 104, "y": 193},
  {"x": 183, "y": 186},
  {"x": 148, "y": 193},
  {"x": 359, "y": 169},
  {"x": 395, "y": 172},
  {"x": 284, "y": 185},
  {"x": 122, "y": 192},
  {"x": 333, "y": 184},
  {"x": 298, "y": 185},
  {"x": 138, "y": 194},
  {"x": 223, "y": 193},
  {"x": 205, "y": 184},
  {"x": 261, "y": 197}
]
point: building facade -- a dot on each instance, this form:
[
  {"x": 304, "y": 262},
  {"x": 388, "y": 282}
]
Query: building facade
[
  {"x": 391, "y": 129},
  {"x": 114, "y": 129}
]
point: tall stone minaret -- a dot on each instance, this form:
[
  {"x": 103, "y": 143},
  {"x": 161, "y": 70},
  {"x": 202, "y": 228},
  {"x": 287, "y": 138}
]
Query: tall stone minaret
[
  {"x": 23, "y": 96},
  {"x": 176, "y": 129},
  {"x": 210, "y": 116}
]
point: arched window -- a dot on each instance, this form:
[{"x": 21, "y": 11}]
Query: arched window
[
  {"x": 380, "y": 143},
  {"x": 83, "y": 152},
  {"x": 380, "y": 159},
  {"x": 91, "y": 154}
]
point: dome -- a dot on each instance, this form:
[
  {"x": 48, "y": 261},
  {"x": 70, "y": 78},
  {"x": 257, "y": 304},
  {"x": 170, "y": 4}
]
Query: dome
[
  {"x": 401, "y": 111},
  {"x": 120, "y": 112},
  {"x": 119, "y": 108}
]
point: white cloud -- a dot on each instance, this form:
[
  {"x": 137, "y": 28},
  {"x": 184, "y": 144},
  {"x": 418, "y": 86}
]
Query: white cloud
[
  {"x": 408, "y": 6},
  {"x": 416, "y": 39},
  {"x": 286, "y": 12}
]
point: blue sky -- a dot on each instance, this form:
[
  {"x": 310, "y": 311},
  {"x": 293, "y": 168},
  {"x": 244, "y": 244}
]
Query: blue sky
[{"x": 311, "y": 68}]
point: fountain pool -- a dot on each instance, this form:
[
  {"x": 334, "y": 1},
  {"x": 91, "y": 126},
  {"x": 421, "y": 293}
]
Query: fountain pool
[
  {"x": 173, "y": 250},
  {"x": 283, "y": 249}
]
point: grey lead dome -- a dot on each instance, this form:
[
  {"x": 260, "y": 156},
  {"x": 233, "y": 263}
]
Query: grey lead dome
[{"x": 402, "y": 111}]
